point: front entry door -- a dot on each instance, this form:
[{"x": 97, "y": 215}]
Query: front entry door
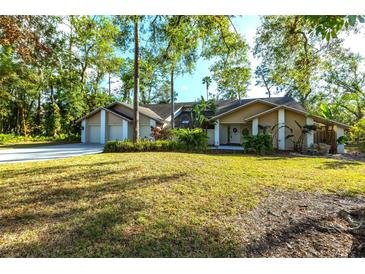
[{"x": 234, "y": 135}]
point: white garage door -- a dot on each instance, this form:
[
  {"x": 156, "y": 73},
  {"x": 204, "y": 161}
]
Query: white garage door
[
  {"x": 94, "y": 134},
  {"x": 115, "y": 133}
]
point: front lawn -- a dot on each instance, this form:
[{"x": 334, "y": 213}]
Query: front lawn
[{"x": 152, "y": 204}]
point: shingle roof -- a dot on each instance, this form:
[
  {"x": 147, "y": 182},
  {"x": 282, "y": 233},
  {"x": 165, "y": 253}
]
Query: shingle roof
[
  {"x": 146, "y": 111},
  {"x": 164, "y": 110},
  {"x": 285, "y": 101}
]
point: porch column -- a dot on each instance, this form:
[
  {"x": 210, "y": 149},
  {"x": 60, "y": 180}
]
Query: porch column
[
  {"x": 83, "y": 131},
  {"x": 339, "y": 132},
  {"x": 310, "y": 135},
  {"x": 124, "y": 129},
  {"x": 255, "y": 126},
  {"x": 102, "y": 126},
  {"x": 281, "y": 129},
  {"x": 216, "y": 133}
]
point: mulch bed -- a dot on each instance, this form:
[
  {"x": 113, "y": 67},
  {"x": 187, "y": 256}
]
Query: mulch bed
[{"x": 302, "y": 224}]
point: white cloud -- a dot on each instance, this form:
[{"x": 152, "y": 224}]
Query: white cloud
[{"x": 184, "y": 88}]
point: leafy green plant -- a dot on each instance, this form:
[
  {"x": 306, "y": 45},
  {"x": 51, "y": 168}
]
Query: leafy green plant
[
  {"x": 357, "y": 133},
  {"x": 298, "y": 142},
  {"x": 261, "y": 143},
  {"x": 342, "y": 140},
  {"x": 199, "y": 112},
  {"x": 194, "y": 139}
]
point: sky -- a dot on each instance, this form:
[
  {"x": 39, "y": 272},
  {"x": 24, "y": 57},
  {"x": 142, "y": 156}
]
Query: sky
[{"x": 190, "y": 87}]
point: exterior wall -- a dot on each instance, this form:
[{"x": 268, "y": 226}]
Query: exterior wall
[
  {"x": 223, "y": 134},
  {"x": 144, "y": 127},
  {"x": 210, "y": 136},
  {"x": 113, "y": 119},
  {"x": 124, "y": 110},
  {"x": 94, "y": 120},
  {"x": 130, "y": 130},
  {"x": 339, "y": 132},
  {"x": 290, "y": 118},
  {"x": 270, "y": 119},
  {"x": 185, "y": 116},
  {"x": 144, "y": 122},
  {"x": 240, "y": 115}
]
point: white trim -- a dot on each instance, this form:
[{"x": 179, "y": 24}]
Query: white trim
[
  {"x": 310, "y": 135},
  {"x": 158, "y": 118},
  {"x": 99, "y": 109},
  {"x": 102, "y": 126},
  {"x": 176, "y": 113},
  {"x": 124, "y": 129},
  {"x": 244, "y": 105},
  {"x": 281, "y": 129},
  {"x": 216, "y": 133},
  {"x": 323, "y": 120},
  {"x": 255, "y": 126},
  {"x": 83, "y": 131},
  {"x": 276, "y": 108}
]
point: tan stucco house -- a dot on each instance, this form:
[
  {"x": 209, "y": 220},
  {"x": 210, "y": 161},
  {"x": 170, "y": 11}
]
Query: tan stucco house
[{"x": 230, "y": 122}]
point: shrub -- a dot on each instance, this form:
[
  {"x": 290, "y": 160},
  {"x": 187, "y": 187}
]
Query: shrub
[
  {"x": 144, "y": 145},
  {"x": 357, "y": 132},
  {"x": 161, "y": 133},
  {"x": 261, "y": 143},
  {"x": 193, "y": 139}
]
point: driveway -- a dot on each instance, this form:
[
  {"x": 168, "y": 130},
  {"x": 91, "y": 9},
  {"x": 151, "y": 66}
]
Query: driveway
[{"x": 47, "y": 152}]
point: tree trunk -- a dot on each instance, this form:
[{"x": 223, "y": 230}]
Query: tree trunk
[
  {"x": 109, "y": 85},
  {"x": 207, "y": 92},
  {"x": 172, "y": 99},
  {"x": 136, "y": 82}
]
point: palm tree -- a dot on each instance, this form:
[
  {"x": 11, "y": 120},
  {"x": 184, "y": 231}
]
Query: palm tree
[{"x": 207, "y": 81}]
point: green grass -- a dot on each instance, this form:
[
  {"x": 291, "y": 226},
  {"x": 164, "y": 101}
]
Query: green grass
[{"x": 150, "y": 204}]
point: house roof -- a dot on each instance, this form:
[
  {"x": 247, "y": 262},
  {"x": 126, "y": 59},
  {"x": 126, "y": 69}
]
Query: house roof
[
  {"x": 164, "y": 110},
  {"x": 274, "y": 101},
  {"x": 145, "y": 111},
  {"x": 121, "y": 115}
]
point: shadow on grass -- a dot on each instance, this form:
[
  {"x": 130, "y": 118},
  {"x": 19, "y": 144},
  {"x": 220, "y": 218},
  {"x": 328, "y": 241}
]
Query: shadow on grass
[
  {"x": 112, "y": 224},
  {"x": 339, "y": 164},
  {"x": 54, "y": 168}
]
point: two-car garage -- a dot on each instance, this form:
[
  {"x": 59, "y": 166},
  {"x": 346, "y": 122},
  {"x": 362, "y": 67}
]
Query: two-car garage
[
  {"x": 115, "y": 123},
  {"x": 104, "y": 125}
]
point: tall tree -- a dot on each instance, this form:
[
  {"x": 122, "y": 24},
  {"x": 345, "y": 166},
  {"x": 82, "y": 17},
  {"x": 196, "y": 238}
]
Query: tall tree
[
  {"x": 207, "y": 81},
  {"x": 295, "y": 55},
  {"x": 345, "y": 85},
  {"x": 136, "y": 81}
]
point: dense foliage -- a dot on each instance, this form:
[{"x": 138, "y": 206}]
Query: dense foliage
[
  {"x": 261, "y": 144},
  {"x": 195, "y": 139},
  {"x": 304, "y": 57},
  {"x": 6, "y": 139},
  {"x": 174, "y": 140},
  {"x": 144, "y": 145},
  {"x": 54, "y": 69}
]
